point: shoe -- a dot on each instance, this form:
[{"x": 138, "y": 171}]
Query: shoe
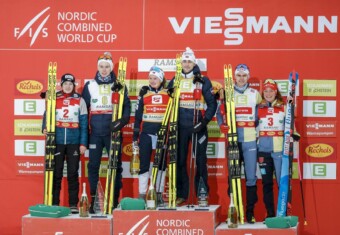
[
  {"x": 91, "y": 209},
  {"x": 74, "y": 210},
  {"x": 250, "y": 219},
  {"x": 160, "y": 201},
  {"x": 180, "y": 201}
]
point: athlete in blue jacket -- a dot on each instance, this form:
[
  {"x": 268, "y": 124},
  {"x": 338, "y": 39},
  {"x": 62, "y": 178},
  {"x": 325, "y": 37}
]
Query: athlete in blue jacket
[
  {"x": 97, "y": 95},
  {"x": 71, "y": 136},
  {"x": 207, "y": 108},
  {"x": 151, "y": 106}
]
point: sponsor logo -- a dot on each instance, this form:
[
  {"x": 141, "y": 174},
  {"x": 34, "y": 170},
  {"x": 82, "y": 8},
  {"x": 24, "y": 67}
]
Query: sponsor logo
[
  {"x": 319, "y": 88},
  {"x": 320, "y": 129},
  {"x": 319, "y": 150},
  {"x": 236, "y": 24},
  {"x": 127, "y": 149},
  {"x": 29, "y": 148},
  {"x": 319, "y": 108},
  {"x": 157, "y": 99},
  {"x": 322, "y": 171},
  {"x": 27, "y": 127},
  {"x": 28, "y": 28},
  {"x": 167, "y": 65},
  {"x": 29, "y": 87},
  {"x": 29, "y": 167},
  {"x": 33, "y": 107}
]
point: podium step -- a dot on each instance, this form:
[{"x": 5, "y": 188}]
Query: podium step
[
  {"x": 258, "y": 228},
  {"x": 183, "y": 220},
  {"x": 72, "y": 224}
]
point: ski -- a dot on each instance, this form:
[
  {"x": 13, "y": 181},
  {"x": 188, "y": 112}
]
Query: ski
[
  {"x": 173, "y": 131},
  {"x": 232, "y": 151},
  {"x": 117, "y": 111},
  {"x": 50, "y": 136},
  {"x": 287, "y": 154}
]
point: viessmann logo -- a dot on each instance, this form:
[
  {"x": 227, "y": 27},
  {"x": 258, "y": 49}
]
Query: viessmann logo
[
  {"x": 233, "y": 23},
  {"x": 33, "y": 28},
  {"x": 29, "y": 87},
  {"x": 319, "y": 150}
]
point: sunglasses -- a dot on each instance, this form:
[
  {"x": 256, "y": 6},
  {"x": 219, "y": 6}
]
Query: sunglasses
[
  {"x": 104, "y": 57},
  {"x": 270, "y": 81}
]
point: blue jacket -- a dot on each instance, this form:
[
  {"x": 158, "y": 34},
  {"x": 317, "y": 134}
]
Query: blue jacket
[
  {"x": 67, "y": 135},
  {"x": 186, "y": 115},
  {"x": 100, "y": 123}
]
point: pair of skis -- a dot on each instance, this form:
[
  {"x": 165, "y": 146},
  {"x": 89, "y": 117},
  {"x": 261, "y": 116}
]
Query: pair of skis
[
  {"x": 117, "y": 111},
  {"x": 232, "y": 151},
  {"x": 167, "y": 137},
  {"x": 50, "y": 136},
  {"x": 285, "y": 190}
]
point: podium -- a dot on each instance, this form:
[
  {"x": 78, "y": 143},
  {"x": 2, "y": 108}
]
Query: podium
[
  {"x": 72, "y": 224},
  {"x": 258, "y": 228},
  {"x": 183, "y": 220}
]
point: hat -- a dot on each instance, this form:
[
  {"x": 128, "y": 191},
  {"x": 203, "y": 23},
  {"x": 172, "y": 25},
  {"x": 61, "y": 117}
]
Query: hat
[
  {"x": 242, "y": 68},
  {"x": 67, "y": 77},
  {"x": 106, "y": 57},
  {"x": 270, "y": 83},
  {"x": 158, "y": 72},
  {"x": 189, "y": 55}
]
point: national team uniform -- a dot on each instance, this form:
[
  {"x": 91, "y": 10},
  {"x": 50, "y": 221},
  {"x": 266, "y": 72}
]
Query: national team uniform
[
  {"x": 270, "y": 144},
  {"x": 97, "y": 95},
  {"x": 71, "y": 132},
  {"x": 150, "y": 111}
]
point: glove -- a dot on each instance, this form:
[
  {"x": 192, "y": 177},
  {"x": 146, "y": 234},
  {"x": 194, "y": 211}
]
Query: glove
[
  {"x": 198, "y": 78},
  {"x": 199, "y": 126},
  {"x": 116, "y": 87},
  {"x": 118, "y": 124},
  {"x": 296, "y": 136},
  {"x": 143, "y": 91},
  {"x": 43, "y": 95},
  {"x": 170, "y": 91},
  {"x": 224, "y": 129}
]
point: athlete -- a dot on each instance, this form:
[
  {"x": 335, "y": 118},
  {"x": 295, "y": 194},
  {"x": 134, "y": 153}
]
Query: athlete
[
  {"x": 97, "y": 95},
  {"x": 151, "y": 106},
  {"x": 191, "y": 76},
  {"x": 71, "y": 137}
]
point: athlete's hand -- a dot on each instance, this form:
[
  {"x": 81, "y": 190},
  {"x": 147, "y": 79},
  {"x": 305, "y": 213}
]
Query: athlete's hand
[{"x": 224, "y": 129}]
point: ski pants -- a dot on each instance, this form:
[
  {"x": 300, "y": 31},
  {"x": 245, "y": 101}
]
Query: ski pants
[
  {"x": 184, "y": 137},
  {"x": 248, "y": 154},
  {"x": 71, "y": 153},
  {"x": 269, "y": 162},
  {"x": 145, "y": 152},
  {"x": 96, "y": 146}
]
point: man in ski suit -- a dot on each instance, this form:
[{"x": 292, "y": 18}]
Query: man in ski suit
[
  {"x": 97, "y": 95},
  {"x": 151, "y": 106},
  {"x": 246, "y": 101},
  {"x": 71, "y": 136},
  {"x": 191, "y": 75}
]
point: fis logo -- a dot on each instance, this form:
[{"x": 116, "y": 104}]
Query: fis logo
[
  {"x": 138, "y": 227},
  {"x": 34, "y": 32}
]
